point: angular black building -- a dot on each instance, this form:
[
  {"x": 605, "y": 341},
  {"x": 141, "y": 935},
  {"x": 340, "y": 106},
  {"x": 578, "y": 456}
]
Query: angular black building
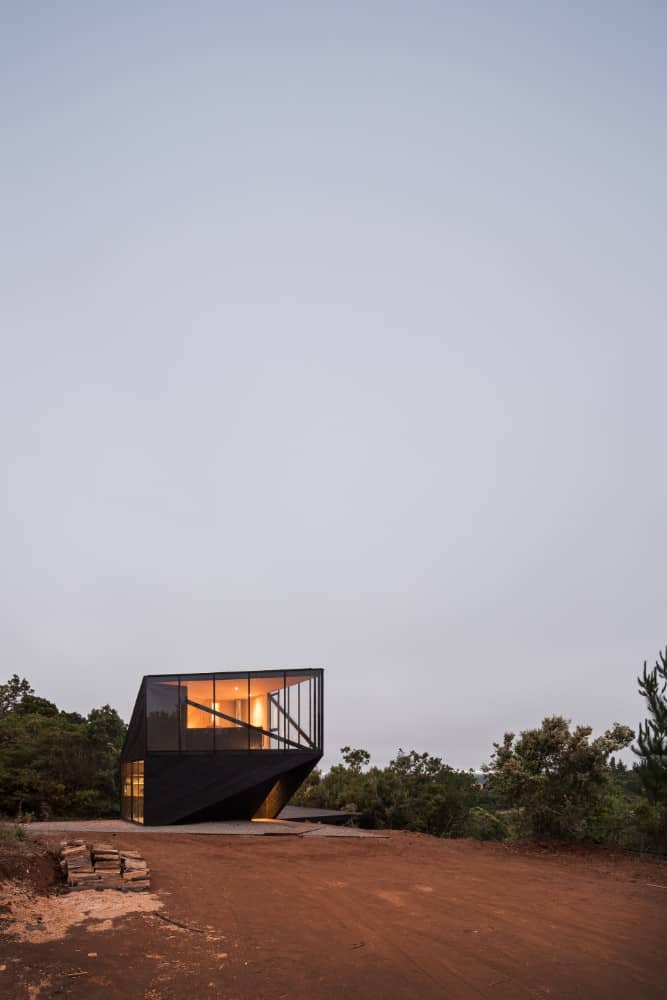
[{"x": 233, "y": 745}]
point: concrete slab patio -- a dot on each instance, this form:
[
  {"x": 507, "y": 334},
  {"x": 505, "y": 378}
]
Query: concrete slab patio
[{"x": 227, "y": 828}]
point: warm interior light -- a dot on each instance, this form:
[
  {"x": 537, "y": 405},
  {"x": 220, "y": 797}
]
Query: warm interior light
[{"x": 258, "y": 712}]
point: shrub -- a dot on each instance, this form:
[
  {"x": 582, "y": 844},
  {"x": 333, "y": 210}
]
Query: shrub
[
  {"x": 414, "y": 792},
  {"x": 13, "y": 831},
  {"x": 559, "y": 778},
  {"x": 485, "y": 825}
]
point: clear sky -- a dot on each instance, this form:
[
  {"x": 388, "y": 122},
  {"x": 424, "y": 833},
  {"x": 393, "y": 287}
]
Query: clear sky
[{"x": 335, "y": 334}]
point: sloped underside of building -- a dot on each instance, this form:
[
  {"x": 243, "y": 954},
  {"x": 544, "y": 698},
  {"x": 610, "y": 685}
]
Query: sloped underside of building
[{"x": 190, "y": 788}]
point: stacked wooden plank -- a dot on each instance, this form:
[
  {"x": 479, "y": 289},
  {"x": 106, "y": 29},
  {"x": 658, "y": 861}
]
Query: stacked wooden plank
[
  {"x": 135, "y": 870},
  {"x": 76, "y": 863},
  {"x": 100, "y": 866},
  {"x": 107, "y": 863}
]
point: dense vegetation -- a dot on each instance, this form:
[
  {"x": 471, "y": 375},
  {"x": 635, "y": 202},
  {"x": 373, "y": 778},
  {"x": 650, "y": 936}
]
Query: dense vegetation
[
  {"x": 551, "y": 781},
  {"x": 415, "y": 792},
  {"x": 56, "y": 764}
]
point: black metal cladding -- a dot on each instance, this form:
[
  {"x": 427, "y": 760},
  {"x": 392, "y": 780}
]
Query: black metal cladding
[{"x": 224, "y": 745}]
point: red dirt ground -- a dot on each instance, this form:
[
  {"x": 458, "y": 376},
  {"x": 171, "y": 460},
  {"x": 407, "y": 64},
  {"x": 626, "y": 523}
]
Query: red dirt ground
[
  {"x": 405, "y": 917},
  {"x": 28, "y": 862}
]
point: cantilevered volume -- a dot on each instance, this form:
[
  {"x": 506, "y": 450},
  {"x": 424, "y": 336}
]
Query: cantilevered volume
[{"x": 233, "y": 745}]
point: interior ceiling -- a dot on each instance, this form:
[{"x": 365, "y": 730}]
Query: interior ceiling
[{"x": 232, "y": 688}]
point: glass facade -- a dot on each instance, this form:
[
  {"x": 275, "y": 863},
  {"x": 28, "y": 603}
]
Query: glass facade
[
  {"x": 162, "y": 710},
  {"x": 232, "y": 712},
  {"x": 197, "y": 700},
  {"x": 267, "y": 695},
  {"x": 242, "y": 710},
  {"x": 132, "y": 791}
]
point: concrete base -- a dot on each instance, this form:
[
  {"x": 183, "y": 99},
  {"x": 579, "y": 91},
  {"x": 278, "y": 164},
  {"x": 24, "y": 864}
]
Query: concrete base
[{"x": 227, "y": 828}]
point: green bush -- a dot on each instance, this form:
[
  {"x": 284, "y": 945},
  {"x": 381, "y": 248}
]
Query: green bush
[
  {"x": 414, "y": 792},
  {"x": 560, "y": 779},
  {"x": 12, "y": 831},
  {"x": 645, "y": 828},
  {"x": 485, "y": 825}
]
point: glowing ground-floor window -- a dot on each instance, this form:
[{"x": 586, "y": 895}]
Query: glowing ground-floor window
[{"x": 132, "y": 791}]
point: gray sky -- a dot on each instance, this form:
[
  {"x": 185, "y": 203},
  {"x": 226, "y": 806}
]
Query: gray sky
[{"x": 334, "y": 334}]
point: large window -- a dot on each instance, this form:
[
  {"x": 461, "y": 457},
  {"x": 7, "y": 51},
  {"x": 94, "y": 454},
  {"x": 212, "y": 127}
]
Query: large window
[
  {"x": 138, "y": 791},
  {"x": 126, "y": 791},
  {"x": 267, "y": 698},
  {"x": 162, "y": 710},
  {"x": 197, "y": 713},
  {"x": 303, "y": 709},
  {"x": 285, "y": 708},
  {"x": 256, "y": 710},
  {"x": 231, "y": 712},
  {"x": 132, "y": 791}
]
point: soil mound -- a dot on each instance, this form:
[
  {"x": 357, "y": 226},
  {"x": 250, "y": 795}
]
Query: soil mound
[{"x": 30, "y": 862}]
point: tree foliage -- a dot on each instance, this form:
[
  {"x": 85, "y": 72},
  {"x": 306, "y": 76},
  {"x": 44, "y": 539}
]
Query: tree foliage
[
  {"x": 652, "y": 735},
  {"x": 13, "y": 692},
  {"x": 56, "y": 764},
  {"x": 414, "y": 792},
  {"x": 559, "y": 778}
]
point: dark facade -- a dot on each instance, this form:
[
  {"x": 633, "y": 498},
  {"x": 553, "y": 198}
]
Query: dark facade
[{"x": 233, "y": 745}]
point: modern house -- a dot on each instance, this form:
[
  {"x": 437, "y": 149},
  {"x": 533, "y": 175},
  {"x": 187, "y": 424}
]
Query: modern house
[{"x": 233, "y": 745}]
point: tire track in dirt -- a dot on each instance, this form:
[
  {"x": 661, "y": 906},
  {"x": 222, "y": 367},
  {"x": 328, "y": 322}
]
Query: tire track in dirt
[{"x": 398, "y": 919}]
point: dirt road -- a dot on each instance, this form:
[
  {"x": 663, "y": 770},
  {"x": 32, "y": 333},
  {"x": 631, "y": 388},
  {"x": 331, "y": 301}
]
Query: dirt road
[{"x": 406, "y": 917}]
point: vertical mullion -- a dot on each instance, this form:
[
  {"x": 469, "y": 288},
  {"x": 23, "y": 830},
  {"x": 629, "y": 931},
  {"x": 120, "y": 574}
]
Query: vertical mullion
[
  {"x": 179, "y": 714},
  {"x": 145, "y": 685},
  {"x": 319, "y": 710},
  {"x": 284, "y": 710},
  {"x": 248, "y": 707},
  {"x": 214, "y": 717}
]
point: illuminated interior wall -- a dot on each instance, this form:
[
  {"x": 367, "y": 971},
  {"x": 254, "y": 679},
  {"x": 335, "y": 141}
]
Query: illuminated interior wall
[
  {"x": 126, "y": 791},
  {"x": 231, "y": 694},
  {"x": 132, "y": 791},
  {"x": 260, "y": 715},
  {"x": 198, "y": 693},
  {"x": 271, "y": 804},
  {"x": 138, "y": 791}
]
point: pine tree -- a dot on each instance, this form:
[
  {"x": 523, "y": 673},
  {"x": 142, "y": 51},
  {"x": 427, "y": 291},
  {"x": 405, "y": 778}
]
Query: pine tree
[{"x": 652, "y": 736}]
